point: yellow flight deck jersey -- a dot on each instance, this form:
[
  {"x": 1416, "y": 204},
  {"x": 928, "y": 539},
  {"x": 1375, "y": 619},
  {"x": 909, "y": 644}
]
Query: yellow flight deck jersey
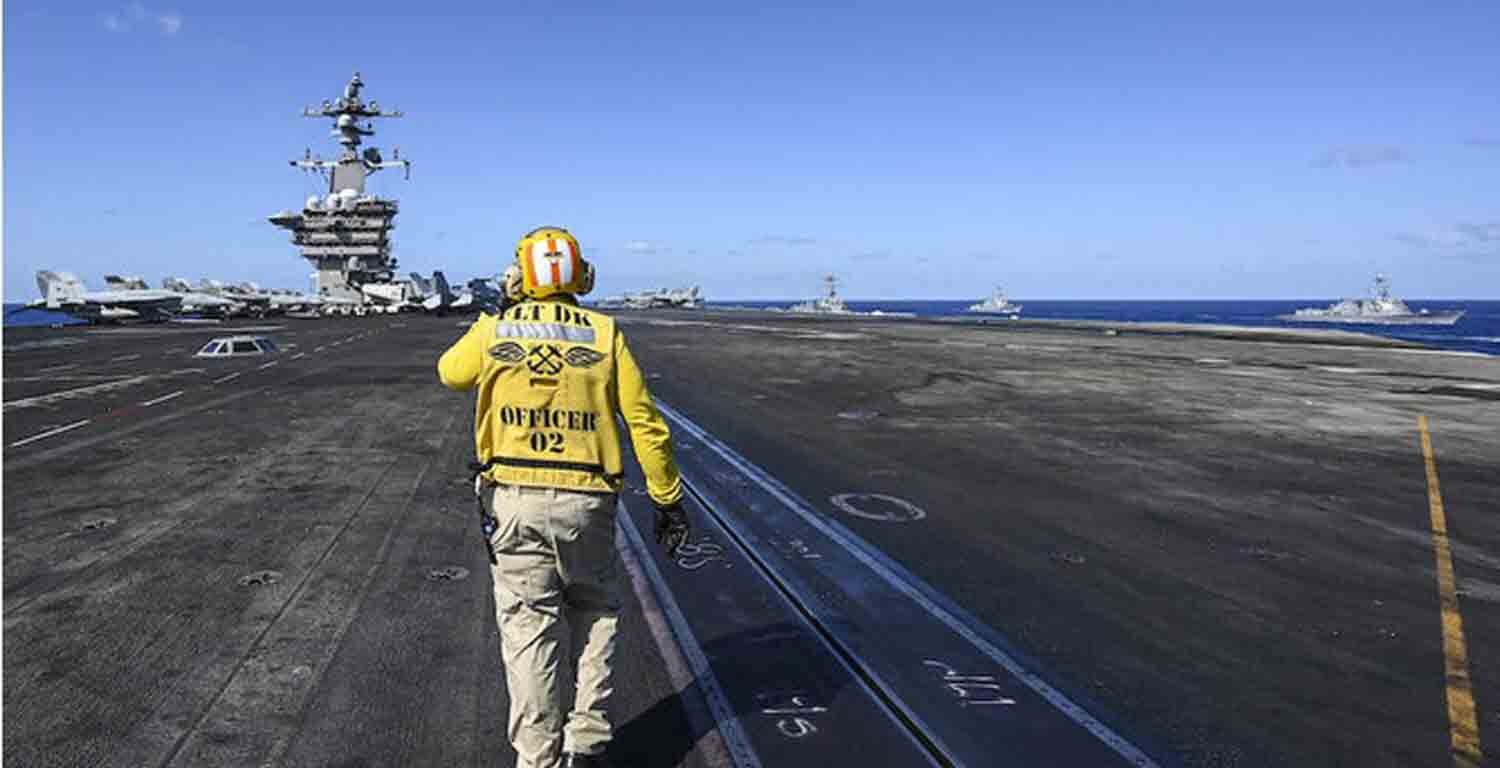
[{"x": 551, "y": 377}]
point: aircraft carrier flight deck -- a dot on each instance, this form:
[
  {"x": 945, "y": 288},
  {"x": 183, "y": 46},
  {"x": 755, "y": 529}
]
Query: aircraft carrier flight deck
[{"x": 915, "y": 543}]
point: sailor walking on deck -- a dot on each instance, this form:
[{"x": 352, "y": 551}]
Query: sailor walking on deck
[{"x": 550, "y": 378}]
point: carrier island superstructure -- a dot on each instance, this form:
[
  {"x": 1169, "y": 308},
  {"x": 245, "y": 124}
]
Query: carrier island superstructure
[{"x": 346, "y": 234}]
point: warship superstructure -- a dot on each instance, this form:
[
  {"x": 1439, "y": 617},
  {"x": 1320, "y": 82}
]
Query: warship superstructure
[
  {"x": 996, "y": 304},
  {"x": 346, "y": 234},
  {"x": 827, "y": 304},
  {"x": 1380, "y": 309}
]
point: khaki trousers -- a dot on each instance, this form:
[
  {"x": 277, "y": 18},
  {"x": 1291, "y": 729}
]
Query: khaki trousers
[{"x": 557, "y": 592}]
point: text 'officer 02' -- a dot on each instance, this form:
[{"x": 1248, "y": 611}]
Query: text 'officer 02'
[{"x": 550, "y": 378}]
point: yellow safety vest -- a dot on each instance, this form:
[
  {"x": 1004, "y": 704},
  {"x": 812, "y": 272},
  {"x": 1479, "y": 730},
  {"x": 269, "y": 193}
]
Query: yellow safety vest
[{"x": 550, "y": 378}]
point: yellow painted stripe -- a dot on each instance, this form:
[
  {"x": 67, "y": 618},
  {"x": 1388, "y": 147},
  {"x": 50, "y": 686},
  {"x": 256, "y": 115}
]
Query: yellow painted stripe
[{"x": 1463, "y": 728}]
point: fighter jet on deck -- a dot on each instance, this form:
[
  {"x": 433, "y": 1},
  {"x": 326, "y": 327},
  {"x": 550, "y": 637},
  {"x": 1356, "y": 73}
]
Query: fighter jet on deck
[
  {"x": 117, "y": 283},
  {"x": 482, "y": 294},
  {"x": 440, "y": 297},
  {"x": 259, "y": 302},
  {"x": 256, "y": 303},
  {"x": 199, "y": 302},
  {"x": 132, "y": 300},
  {"x": 660, "y": 298}
]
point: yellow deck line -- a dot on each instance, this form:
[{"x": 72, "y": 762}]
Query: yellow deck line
[{"x": 1463, "y": 728}]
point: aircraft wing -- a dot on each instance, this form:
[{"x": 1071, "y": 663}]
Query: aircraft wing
[{"x": 155, "y": 308}]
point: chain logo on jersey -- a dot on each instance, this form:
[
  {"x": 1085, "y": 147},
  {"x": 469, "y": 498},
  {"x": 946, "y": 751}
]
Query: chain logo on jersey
[{"x": 544, "y": 360}]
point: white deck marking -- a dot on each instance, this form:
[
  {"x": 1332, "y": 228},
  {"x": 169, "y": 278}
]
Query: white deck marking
[
  {"x": 264, "y": 366},
  {"x": 58, "y": 379},
  {"x": 230, "y": 377},
  {"x": 637, "y": 564},
  {"x": 862, "y": 552},
  {"x": 57, "y": 367},
  {"x": 320, "y": 349},
  {"x": 909, "y": 511},
  {"x": 42, "y": 344},
  {"x": 49, "y": 433},
  {"x": 124, "y": 358},
  {"x": 299, "y": 355},
  {"x": 162, "y": 399},
  {"x": 68, "y": 394}
]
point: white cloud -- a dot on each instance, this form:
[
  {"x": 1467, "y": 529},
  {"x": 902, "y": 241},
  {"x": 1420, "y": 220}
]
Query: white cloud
[
  {"x": 645, "y": 247},
  {"x": 1360, "y": 157},
  {"x": 784, "y": 240},
  {"x": 1462, "y": 239},
  {"x": 168, "y": 23}
]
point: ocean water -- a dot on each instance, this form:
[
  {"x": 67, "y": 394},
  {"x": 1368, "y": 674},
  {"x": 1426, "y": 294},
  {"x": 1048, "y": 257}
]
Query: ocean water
[{"x": 1477, "y": 331}]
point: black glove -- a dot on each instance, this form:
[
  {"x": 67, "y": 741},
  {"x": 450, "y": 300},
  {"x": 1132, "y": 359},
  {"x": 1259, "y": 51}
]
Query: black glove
[{"x": 672, "y": 527}]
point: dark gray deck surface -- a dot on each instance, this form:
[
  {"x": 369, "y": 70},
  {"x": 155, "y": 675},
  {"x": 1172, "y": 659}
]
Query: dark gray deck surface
[{"x": 131, "y": 635}]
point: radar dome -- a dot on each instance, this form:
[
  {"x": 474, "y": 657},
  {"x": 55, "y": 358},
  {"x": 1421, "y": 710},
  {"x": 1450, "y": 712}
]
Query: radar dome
[{"x": 312, "y": 202}]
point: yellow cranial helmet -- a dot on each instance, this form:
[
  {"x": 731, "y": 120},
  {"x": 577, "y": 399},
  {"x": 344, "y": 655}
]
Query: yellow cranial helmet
[{"x": 552, "y": 262}]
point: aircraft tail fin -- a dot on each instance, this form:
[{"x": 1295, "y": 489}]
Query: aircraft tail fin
[
  {"x": 59, "y": 288},
  {"x": 440, "y": 283},
  {"x": 421, "y": 283}
]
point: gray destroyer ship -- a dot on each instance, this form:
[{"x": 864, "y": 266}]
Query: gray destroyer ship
[
  {"x": 346, "y": 235},
  {"x": 827, "y": 304},
  {"x": 996, "y": 304},
  {"x": 1380, "y": 309}
]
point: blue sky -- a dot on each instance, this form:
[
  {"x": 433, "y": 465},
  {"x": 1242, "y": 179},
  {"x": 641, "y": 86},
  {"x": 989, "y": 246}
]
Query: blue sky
[{"x": 1081, "y": 150}]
